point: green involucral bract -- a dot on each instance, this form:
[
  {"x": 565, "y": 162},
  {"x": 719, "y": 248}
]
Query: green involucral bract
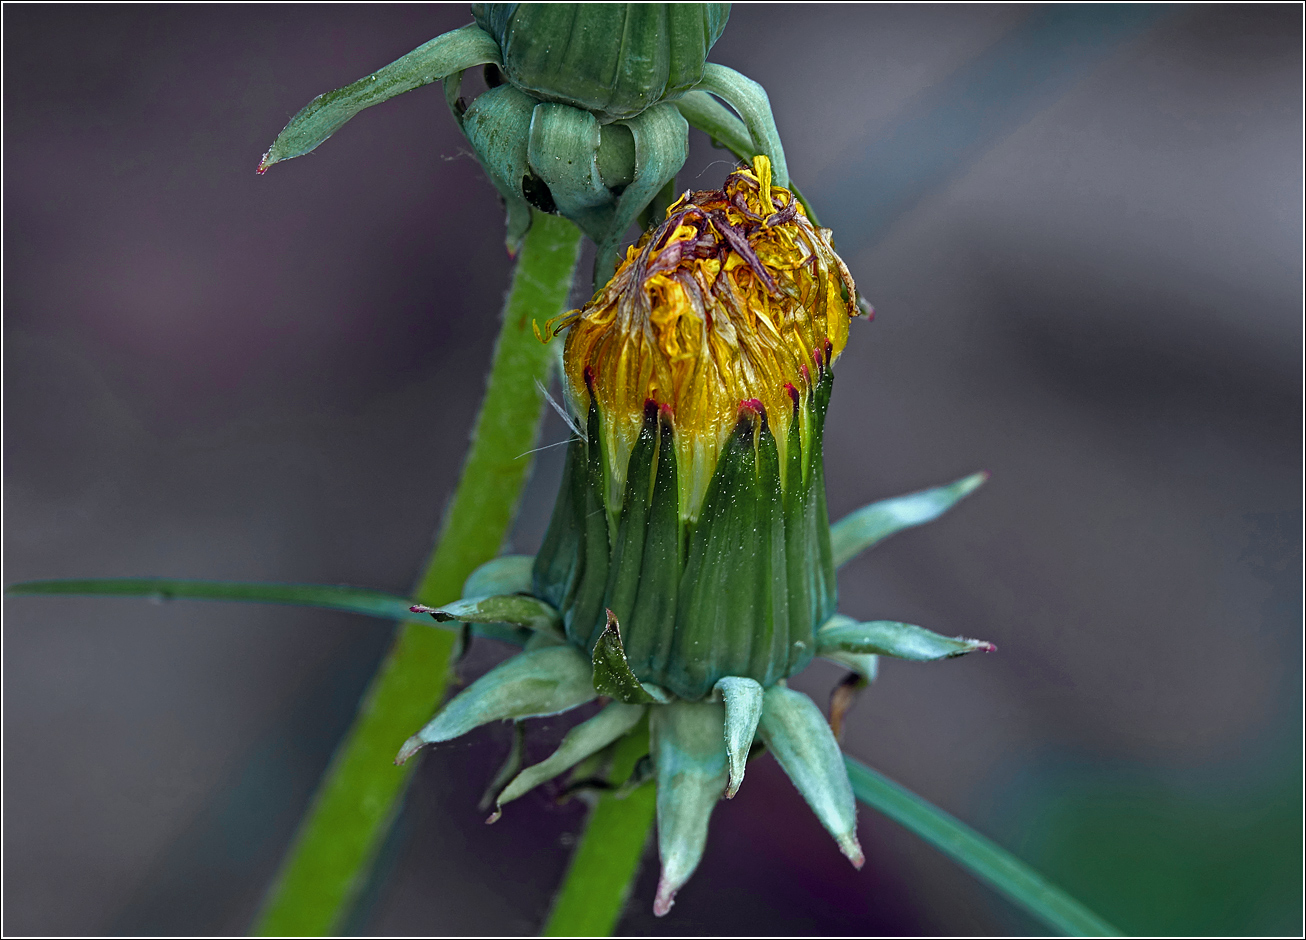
[
  {"x": 689, "y": 567},
  {"x": 580, "y": 119}
]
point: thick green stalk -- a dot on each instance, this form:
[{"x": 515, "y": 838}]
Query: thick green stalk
[
  {"x": 362, "y": 789},
  {"x": 606, "y": 860}
]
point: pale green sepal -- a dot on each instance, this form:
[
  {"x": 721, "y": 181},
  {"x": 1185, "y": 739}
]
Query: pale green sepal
[
  {"x": 507, "y": 574},
  {"x": 563, "y": 148},
  {"x": 541, "y": 682},
  {"x": 497, "y": 125},
  {"x": 795, "y": 731},
  {"x": 743, "y": 700},
  {"x": 585, "y": 739},
  {"x": 688, "y": 750},
  {"x": 517, "y": 609},
  {"x": 713, "y": 118},
  {"x": 325, "y": 114},
  {"x": 749, "y": 99},
  {"x": 508, "y": 770},
  {"x": 661, "y": 145},
  {"x": 866, "y": 665},
  {"x": 890, "y": 638},
  {"x": 539, "y": 641},
  {"x": 612, "y": 673},
  {"x": 861, "y": 529}
]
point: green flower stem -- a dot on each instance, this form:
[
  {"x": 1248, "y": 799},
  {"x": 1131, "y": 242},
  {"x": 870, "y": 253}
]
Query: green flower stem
[
  {"x": 606, "y": 860},
  {"x": 362, "y": 789},
  {"x": 990, "y": 862}
]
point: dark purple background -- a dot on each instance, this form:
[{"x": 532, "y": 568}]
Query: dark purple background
[{"x": 214, "y": 374}]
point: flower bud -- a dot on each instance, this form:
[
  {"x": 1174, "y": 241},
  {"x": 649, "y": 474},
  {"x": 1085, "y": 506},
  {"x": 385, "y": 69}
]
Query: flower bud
[
  {"x": 610, "y": 59},
  {"x": 695, "y": 506}
]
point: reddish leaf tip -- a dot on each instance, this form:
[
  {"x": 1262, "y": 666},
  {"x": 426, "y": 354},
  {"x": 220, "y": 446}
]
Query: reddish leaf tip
[{"x": 665, "y": 898}]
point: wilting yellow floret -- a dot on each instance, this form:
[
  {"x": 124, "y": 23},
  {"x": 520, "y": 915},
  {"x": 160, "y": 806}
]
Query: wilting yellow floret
[{"x": 735, "y": 298}]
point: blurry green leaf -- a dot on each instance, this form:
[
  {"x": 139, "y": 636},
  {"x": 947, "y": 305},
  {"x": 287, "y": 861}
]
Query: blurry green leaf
[
  {"x": 890, "y": 638},
  {"x": 861, "y": 529},
  {"x": 507, "y": 574},
  {"x": 985, "y": 858},
  {"x": 1206, "y": 852},
  {"x": 325, "y": 114}
]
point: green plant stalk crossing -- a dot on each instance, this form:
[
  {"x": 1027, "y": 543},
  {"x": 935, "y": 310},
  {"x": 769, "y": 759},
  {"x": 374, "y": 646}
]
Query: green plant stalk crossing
[
  {"x": 362, "y": 789},
  {"x": 606, "y": 860}
]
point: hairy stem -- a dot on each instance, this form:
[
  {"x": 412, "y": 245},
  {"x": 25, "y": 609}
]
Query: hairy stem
[
  {"x": 606, "y": 861},
  {"x": 362, "y": 789}
]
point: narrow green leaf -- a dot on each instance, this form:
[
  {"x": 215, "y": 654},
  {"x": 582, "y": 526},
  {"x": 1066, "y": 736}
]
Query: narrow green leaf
[
  {"x": 334, "y": 597},
  {"x": 326, "y": 114},
  {"x": 516, "y": 609},
  {"x": 362, "y": 789},
  {"x": 890, "y": 638},
  {"x": 507, "y": 574},
  {"x": 612, "y": 675},
  {"x": 861, "y": 529},
  {"x": 990, "y": 862},
  {"x": 607, "y": 857},
  {"x": 328, "y": 596}
]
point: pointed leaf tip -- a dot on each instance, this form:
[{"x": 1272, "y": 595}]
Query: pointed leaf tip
[
  {"x": 743, "y": 701},
  {"x": 796, "y": 732},
  {"x": 450, "y": 52},
  {"x": 665, "y": 899},
  {"x": 852, "y": 849},
  {"x": 411, "y": 747},
  {"x": 891, "y": 638},
  {"x": 612, "y": 673}
]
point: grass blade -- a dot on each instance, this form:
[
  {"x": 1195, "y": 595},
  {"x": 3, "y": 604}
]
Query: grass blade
[
  {"x": 991, "y": 863},
  {"x": 333, "y": 597},
  {"x": 325, "y": 596}
]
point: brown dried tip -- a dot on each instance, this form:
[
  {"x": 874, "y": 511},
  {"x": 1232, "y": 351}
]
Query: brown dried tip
[{"x": 842, "y": 699}]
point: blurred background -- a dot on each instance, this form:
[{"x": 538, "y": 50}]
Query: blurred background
[{"x": 1081, "y": 231}]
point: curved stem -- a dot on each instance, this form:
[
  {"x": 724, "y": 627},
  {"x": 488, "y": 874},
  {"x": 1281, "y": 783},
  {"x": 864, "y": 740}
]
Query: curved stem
[{"x": 362, "y": 789}]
